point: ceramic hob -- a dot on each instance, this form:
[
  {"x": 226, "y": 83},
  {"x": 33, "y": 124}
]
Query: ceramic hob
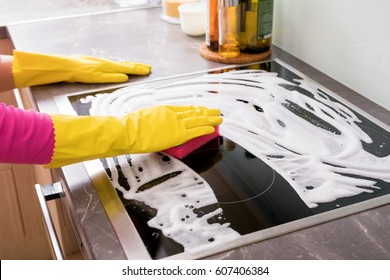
[{"x": 291, "y": 154}]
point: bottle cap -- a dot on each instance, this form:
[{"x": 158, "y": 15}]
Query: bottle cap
[{"x": 228, "y": 3}]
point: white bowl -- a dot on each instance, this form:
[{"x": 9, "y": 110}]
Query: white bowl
[{"x": 193, "y": 18}]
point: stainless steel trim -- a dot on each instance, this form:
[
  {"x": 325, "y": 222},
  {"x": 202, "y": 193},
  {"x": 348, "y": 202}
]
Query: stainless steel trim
[
  {"x": 53, "y": 190},
  {"x": 130, "y": 240}
]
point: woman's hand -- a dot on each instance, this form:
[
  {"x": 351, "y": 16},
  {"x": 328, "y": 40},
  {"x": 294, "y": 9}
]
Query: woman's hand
[{"x": 31, "y": 69}]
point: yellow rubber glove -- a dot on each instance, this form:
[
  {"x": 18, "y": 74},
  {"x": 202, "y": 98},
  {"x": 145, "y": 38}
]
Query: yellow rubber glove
[
  {"x": 146, "y": 130},
  {"x": 31, "y": 69}
]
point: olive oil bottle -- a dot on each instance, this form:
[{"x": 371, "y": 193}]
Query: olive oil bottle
[
  {"x": 256, "y": 25},
  {"x": 229, "y": 28}
]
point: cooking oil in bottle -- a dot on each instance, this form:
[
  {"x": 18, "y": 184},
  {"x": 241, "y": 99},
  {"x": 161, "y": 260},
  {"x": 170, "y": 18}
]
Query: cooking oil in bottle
[
  {"x": 212, "y": 25},
  {"x": 229, "y": 28},
  {"x": 256, "y": 25}
]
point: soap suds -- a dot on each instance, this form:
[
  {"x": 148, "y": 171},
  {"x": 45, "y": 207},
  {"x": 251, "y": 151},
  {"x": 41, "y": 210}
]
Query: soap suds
[
  {"x": 312, "y": 140},
  {"x": 175, "y": 191}
]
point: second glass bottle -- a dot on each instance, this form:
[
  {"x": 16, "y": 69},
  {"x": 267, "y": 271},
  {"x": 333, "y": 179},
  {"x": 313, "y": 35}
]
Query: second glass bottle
[{"x": 229, "y": 28}]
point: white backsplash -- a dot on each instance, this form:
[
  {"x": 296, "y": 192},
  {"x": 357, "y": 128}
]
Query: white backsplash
[{"x": 349, "y": 40}]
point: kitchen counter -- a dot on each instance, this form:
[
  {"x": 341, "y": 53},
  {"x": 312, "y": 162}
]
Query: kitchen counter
[
  {"x": 140, "y": 35},
  {"x": 14, "y": 12}
]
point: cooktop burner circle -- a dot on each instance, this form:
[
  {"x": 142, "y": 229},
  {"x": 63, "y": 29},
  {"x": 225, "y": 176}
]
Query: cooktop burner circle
[
  {"x": 234, "y": 174},
  {"x": 261, "y": 192}
]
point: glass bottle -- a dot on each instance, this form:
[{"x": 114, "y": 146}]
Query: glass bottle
[
  {"x": 256, "y": 25},
  {"x": 212, "y": 25},
  {"x": 229, "y": 28}
]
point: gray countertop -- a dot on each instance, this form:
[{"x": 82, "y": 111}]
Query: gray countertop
[
  {"x": 140, "y": 35},
  {"x": 23, "y": 11}
]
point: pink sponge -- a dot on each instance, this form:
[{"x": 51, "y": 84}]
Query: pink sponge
[{"x": 190, "y": 146}]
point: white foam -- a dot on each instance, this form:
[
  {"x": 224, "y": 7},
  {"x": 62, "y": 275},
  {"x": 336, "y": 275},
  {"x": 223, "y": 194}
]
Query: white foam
[
  {"x": 174, "y": 199},
  {"x": 256, "y": 116}
]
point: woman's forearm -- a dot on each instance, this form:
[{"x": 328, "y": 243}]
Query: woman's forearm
[
  {"x": 6, "y": 76},
  {"x": 26, "y": 136}
]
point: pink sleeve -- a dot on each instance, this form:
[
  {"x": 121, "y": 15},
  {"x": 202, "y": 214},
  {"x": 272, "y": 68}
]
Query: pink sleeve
[{"x": 25, "y": 136}]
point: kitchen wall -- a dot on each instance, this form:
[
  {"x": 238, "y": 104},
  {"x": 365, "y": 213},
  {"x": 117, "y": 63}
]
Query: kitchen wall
[{"x": 349, "y": 40}]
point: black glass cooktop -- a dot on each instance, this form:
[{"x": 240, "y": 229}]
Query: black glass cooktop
[{"x": 253, "y": 195}]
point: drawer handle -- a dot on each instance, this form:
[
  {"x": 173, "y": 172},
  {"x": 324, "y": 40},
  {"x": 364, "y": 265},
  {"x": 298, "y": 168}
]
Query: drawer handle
[{"x": 46, "y": 193}]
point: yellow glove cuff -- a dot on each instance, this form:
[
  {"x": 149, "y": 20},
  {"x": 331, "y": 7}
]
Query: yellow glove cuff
[{"x": 84, "y": 138}]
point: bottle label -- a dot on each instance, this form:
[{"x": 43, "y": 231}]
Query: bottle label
[{"x": 264, "y": 19}]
